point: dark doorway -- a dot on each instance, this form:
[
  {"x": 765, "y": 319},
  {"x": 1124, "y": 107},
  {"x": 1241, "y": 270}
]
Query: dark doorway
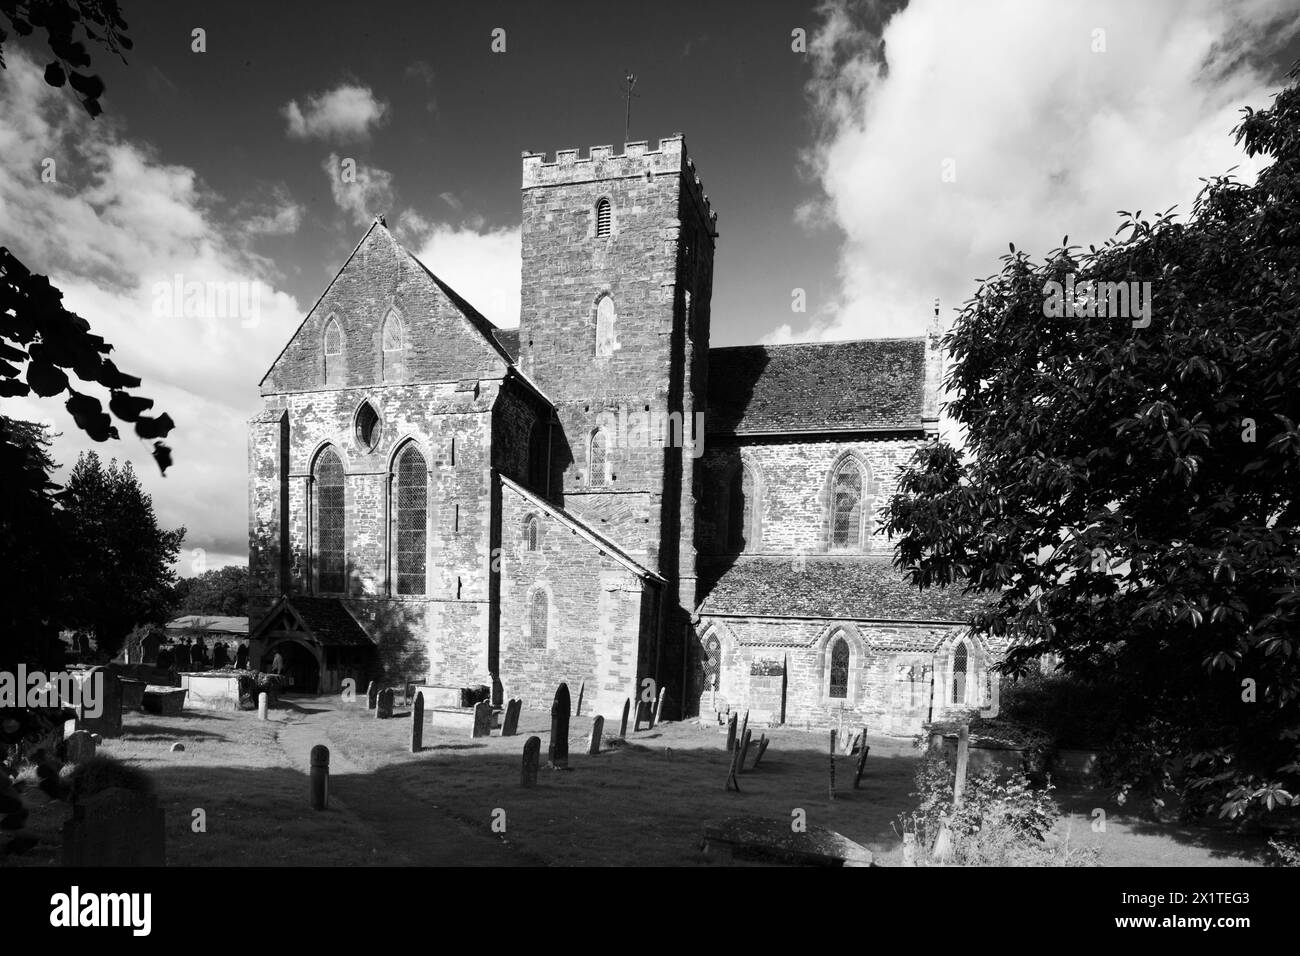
[{"x": 300, "y": 665}]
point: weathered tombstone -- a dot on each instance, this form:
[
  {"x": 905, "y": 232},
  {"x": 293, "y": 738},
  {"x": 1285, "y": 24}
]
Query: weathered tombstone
[
  {"x": 532, "y": 755},
  {"x": 384, "y": 704},
  {"x": 80, "y": 746},
  {"x": 659, "y": 705},
  {"x": 597, "y": 729},
  {"x": 558, "y": 752},
  {"x": 862, "y": 760},
  {"x": 731, "y": 734},
  {"x": 115, "y": 827},
  {"x": 582, "y": 689},
  {"x": 320, "y": 776},
  {"x": 417, "y": 724},
  {"x": 762, "y": 749},
  {"x": 108, "y": 688},
  {"x": 372, "y": 696},
  {"x": 622, "y": 728},
  {"x": 744, "y": 751},
  {"x": 832, "y": 790},
  {"x": 744, "y": 726},
  {"x": 510, "y": 723},
  {"x": 482, "y": 719},
  {"x": 261, "y": 705},
  {"x": 732, "y": 782}
]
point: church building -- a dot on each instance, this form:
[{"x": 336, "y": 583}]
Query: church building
[{"x": 596, "y": 496}]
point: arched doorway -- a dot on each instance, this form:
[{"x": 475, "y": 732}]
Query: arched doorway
[{"x": 300, "y": 665}]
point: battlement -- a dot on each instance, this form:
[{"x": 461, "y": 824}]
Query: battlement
[{"x": 600, "y": 163}]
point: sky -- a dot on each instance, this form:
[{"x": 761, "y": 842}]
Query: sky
[{"x": 865, "y": 159}]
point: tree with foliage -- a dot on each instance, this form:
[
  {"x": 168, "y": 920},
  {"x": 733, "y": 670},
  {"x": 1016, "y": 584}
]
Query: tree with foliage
[
  {"x": 1130, "y": 492},
  {"x": 99, "y": 20},
  {"x": 219, "y": 591},
  {"x": 120, "y": 571}
]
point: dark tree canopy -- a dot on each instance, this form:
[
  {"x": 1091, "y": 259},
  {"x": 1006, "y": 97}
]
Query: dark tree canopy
[
  {"x": 1130, "y": 494},
  {"x": 219, "y": 591},
  {"x": 101, "y": 23}
]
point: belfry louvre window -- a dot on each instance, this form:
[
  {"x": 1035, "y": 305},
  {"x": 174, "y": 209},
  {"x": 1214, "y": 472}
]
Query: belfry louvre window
[
  {"x": 537, "y": 619},
  {"x": 839, "y": 688},
  {"x": 412, "y": 493},
  {"x": 846, "y": 507},
  {"x": 331, "y": 574},
  {"x": 596, "y": 462},
  {"x": 604, "y": 216}
]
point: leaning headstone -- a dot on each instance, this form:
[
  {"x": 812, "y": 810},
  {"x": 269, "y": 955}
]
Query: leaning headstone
[
  {"x": 597, "y": 729},
  {"x": 744, "y": 726},
  {"x": 762, "y": 749},
  {"x": 115, "y": 827},
  {"x": 532, "y": 754},
  {"x": 80, "y": 746},
  {"x": 558, "y": 752},
  {"x": 659, "y": 706},
  {"x": 732, "y": 782},
  {"x": 384, "y": 704},
  {"x": 482, "y": 719},
  {"x": 417, "y": 724},
  {"x": 862, "y": 760},
  {"x": 731, "y": 734},
  {"x": 622, "y": 728},
  {"x": 372, "y": 696},
  {"x": 510, "y": 723},
  {"x": 744, "y": 752},
  {"x": 638, "y": 707}
]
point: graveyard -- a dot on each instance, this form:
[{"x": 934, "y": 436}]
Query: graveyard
[{"x": 235, "y": 792}]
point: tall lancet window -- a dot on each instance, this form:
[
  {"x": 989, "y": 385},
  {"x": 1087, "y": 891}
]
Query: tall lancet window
[
  {"x": 332, "y": 346},
  {"x": 847, "y": 506},
  {"x": 606, "y": 330},
  {"x": 412, "y": 509},
  {"x": 331, "y": 570},
  {"x": 394, "y": 354},
  {"x": 596, "y": 461}
]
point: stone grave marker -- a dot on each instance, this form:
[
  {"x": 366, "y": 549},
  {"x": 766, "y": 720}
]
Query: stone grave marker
[
  {"x": 108, "y": 685},
  {"x": 372, "y": 696},
  {"x": 417, "y": 724},
  {"x": 558, "y": 752},
  {"x": 384, "y": 704},
  {"x": 832, "y": 789},
  {"x": 862, "y": 760},
  {"x": 659, "y": 706},
  {"x": 622, "y": 728},
  {"x": 744, "y": 751},
  {"x": 731, "y": 734},
  {"x": 482, "y": 719},
  {"x": 762, "y": 749},
  {"x": 80, "y": 746},
  {"x": 597, "y": 729},
  {"x": 532, "y": 755},
  {"x": 510, "y": 723}
]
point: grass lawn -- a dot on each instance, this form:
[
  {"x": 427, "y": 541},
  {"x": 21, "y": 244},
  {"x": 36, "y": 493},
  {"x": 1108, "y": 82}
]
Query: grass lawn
[{"x": 643, "y": 801}]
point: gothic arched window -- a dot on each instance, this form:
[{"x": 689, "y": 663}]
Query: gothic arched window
[
  {"x": 332, "y": 346},
  {"x": 531, "y": 532},
  {"x": 847, "y": 487},
  {"x": 596, "y": 460},
  {"x": 539, "y": 611},
  {"x": 331, "y": 570},
  {"x": 411, "y": 512},
  {"x": 839, "y": 683},
  {"x": 712, "y": 662},
  {"x": 393, "y": 342},
  {"x": 606, "y": 333},
  {"x": 960, "y": 662},
  {"x": 604, "y": 218}
]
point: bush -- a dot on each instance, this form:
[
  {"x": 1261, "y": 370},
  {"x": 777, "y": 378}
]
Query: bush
[{"x": 999, "y": 823}]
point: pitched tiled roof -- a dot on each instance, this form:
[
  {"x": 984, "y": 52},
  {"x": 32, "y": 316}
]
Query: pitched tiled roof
[
  {"x": 212, "y": 623},
  {"x": 328, "y": 620},
  {"x": 861, "y": 589},
  {"x": 872, "y": 385}
]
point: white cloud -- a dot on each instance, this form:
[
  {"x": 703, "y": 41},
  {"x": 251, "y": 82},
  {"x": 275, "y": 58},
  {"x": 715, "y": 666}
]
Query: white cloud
[
  {"x": 278, "y": 215},
  {"x": 482, "y": 265},
  {"x": 130, "y": 223},
  {"x": 1047, "y": 137},
  {"x": 360, "y": 190},
  {"x": 348, "y": 112}
]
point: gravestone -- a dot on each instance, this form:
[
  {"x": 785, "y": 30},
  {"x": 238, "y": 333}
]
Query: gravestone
[
  {"x": 622, "y": 727},
  {"x": 417, "y": 724},
  {"x": 510, "y": 723},
  {"x": 597, "y": 729},
  {"x": 482, "y": 719},
  {"x": 115, "y": 827},
  {"x": 659, "y": 705},
  {"x": 731, "y": 734},
  {"x": 558, "y": 752},
  {"x": 744, "y": 752},
  {"x": 108, "y": 686},
  {"x": 862, "y": 760},
  {"x": 762, "y": 749},
  {"x": 372, "y": 696},
  {"x": 320, "y": 776},
  {"x": 384, "y": 704},
  {"x": 744, "y": 726},
  {"x": 532, "y": 755},
  {"x": 80, "y": 746},
  {"x": 832, "y": 791}
]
